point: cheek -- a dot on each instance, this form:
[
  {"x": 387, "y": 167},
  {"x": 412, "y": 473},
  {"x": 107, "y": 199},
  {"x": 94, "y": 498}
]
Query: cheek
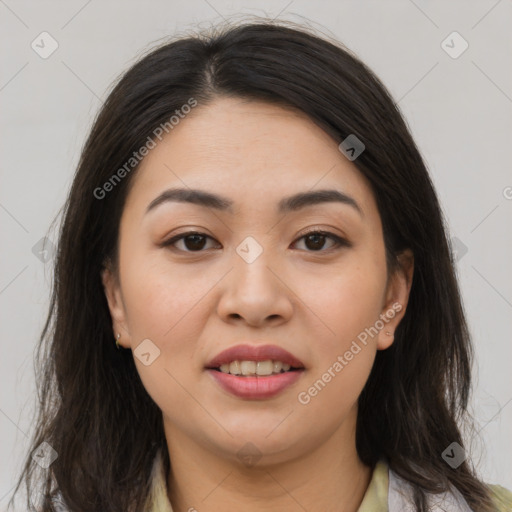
[
  {"x": 346, "y": 302},
  {"x": 349, "y": 305},
  {"x": 332, "y": 392},
  {"x": 163, "y": 305}
]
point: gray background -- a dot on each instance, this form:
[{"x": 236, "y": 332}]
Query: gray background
[{"x": 458, "y": 110}]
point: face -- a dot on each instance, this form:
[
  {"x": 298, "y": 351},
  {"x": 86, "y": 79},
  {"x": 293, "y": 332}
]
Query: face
[{"x": 252, "y": 275}]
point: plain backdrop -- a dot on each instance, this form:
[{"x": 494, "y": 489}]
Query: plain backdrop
[{"x": 456, "y": 100}]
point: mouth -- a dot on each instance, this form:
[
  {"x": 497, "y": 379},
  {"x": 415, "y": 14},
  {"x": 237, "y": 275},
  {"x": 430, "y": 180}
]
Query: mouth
[
  {"x": 255, "y": 372},
  {"x": 254, "y": 360}
]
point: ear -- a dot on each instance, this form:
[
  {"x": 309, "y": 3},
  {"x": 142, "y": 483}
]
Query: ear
[
  {"x": 396, "y": 299},
  {"x": 113, "y": 294}
]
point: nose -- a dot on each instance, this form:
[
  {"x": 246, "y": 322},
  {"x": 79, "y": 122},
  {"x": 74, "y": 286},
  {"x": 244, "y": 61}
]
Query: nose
[{"x": 256, "y": 293}]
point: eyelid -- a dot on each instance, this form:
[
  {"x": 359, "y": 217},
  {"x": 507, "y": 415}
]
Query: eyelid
[
  {"x": 185, "y": 234},
  {"x": 320, "y": 230}
]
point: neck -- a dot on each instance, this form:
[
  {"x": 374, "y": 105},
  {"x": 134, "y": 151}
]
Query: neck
[{"x": 328, "y": 478}]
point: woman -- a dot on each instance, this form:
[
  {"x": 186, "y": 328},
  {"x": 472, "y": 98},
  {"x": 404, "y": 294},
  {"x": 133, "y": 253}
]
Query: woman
[{"x": 253, "y": 225}]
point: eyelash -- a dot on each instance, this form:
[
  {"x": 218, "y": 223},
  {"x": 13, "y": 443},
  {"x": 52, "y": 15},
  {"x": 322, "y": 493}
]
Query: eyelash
[{"x": 340, "y": 242}]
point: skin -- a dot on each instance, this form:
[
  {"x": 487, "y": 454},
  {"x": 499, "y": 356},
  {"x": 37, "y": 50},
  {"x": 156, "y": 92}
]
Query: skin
[{"x": 311, "y": 299}]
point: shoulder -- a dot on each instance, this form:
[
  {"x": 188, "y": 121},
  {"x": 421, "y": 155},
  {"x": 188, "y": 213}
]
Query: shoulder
[
  {"x": 401, "y": 497},
  {"x": 502, "y": 498}
]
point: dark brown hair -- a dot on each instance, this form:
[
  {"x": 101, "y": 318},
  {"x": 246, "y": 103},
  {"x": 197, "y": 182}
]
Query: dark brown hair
[{"x": 93, "y": 409}]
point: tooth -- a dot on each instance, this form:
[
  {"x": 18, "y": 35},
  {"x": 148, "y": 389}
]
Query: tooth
[
  {"x": 234, "y": 368},
  {"x": 248, "y": 367},
  {"x": 264, "y": 367},
  {"x": 278, "y": 365}
]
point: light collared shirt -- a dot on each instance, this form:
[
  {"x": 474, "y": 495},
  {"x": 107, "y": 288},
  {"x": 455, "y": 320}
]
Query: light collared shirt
[{"x": 387, "y": 492}]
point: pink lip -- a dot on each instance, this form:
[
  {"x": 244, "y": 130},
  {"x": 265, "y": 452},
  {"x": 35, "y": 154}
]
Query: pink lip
[
  {"x": 255, "y": 388},
  {"x": 254, "y": 353}
]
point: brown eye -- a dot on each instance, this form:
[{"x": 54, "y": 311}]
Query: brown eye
[
  {"x": 193, "y": 241},
  {"x": 315, "y": 240}
]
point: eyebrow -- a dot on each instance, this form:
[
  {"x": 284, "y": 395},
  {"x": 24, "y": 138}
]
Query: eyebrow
[{"x": 288, "y": 204}]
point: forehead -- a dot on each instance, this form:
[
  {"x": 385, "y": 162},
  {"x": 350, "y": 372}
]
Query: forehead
[{"x": 252, "y": 152}]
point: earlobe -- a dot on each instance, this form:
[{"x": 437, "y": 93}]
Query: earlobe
[{"x": 397, "y": 297}]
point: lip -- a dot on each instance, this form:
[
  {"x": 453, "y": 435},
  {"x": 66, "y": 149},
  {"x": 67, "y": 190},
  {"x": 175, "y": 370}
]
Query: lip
[
  {"x": 254, "y": 353},
  {"x": 255, "y": 388}
]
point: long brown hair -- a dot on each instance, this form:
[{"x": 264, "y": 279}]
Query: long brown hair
[{"x": 92, "y": 407}]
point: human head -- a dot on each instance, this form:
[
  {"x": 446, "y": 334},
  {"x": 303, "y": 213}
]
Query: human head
[{"x": 421, "y": 380}]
